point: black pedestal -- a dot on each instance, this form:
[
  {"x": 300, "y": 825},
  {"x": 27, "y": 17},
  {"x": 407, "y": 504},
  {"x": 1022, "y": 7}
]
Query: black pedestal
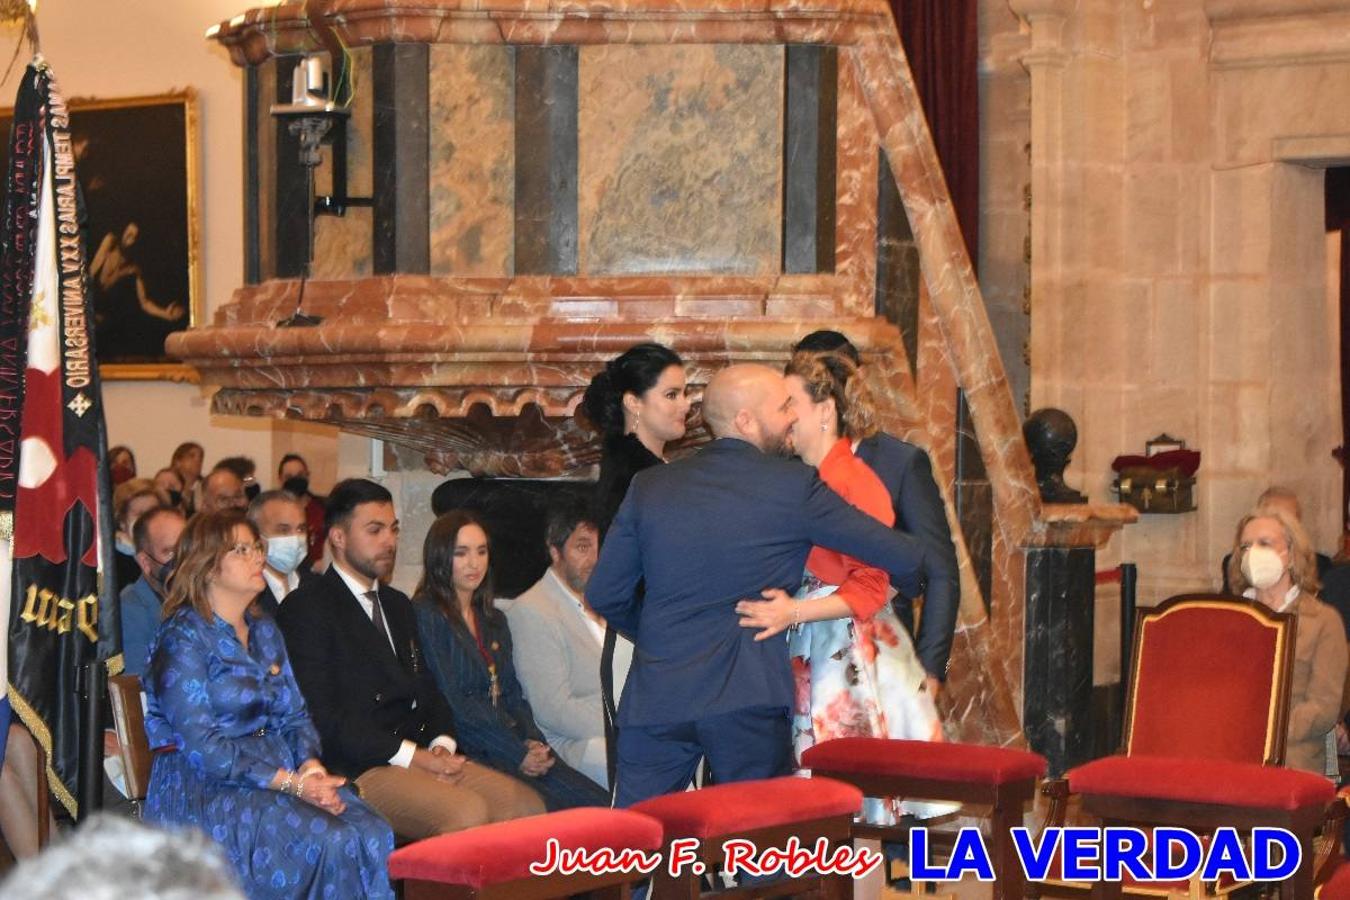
[{"x": 1058, "y": 668}]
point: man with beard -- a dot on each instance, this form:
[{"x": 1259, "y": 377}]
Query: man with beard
[
  {"x": 352, "y": 641},
  {"x": 733, "y": 521},
  {"x": 557, "y": 641}
]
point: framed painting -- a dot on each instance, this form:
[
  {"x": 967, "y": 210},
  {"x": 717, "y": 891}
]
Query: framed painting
[{"x": 136, "y": 160}]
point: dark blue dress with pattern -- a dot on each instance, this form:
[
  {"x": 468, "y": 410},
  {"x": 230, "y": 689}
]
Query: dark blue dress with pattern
[{"x": 236, "y": 716}]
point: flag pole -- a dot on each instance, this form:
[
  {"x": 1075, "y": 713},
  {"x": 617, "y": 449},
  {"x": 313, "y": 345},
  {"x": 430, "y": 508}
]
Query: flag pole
[{"x": 91, "y": 690}]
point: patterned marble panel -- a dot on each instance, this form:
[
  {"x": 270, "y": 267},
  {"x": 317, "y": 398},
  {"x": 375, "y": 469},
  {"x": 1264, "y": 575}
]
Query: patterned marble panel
[
  {"x": 680, "y": 165},
  {"x": 856, "y": 161},
  {"x": 472, "y": 134},
  {"x": 267, "y": 169},
  {"x": 343, "y": 247}
]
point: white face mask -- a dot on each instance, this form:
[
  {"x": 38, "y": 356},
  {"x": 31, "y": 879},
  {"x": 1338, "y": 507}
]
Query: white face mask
[
  {"x": 1263, "y": 567},
  {"x": 286, "y": 552}
]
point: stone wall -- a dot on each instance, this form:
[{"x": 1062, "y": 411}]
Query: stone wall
[
  {"x": 1005, "y": 184},
  {"x": 1178, "y": 263}
]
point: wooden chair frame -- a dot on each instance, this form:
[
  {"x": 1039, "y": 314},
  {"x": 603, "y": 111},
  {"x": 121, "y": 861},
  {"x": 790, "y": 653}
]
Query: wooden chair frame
[
  {"x": 1145, "y": 812},
  {"x": 1007, "y": 802},
  {"x": 124, "y": 696},
  {"x": 1278, "y": 719}
]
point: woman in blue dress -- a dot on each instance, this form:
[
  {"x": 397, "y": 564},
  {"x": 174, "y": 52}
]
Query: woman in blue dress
[
  {"x": 236, "y": 753},
  {"x": 468, "y": 649}
]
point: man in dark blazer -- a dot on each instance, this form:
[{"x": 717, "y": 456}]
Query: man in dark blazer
[
  {"x": 707, "y": 532},
  {"x": 280, "y": 518},
  {"x": 352, "y": 641},
  {"x": 919, "y": 512}
]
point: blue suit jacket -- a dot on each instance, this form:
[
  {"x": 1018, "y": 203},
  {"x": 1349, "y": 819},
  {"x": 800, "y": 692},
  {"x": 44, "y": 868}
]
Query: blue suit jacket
[
  {"x": 140, "y": 621},
  {"x": 919, "y": 511},
  {"x": 705, "y": 533},
  {"x": 490, "y": 734}
]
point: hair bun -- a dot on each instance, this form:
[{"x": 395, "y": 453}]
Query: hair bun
[{"x": 602, "y": 403}]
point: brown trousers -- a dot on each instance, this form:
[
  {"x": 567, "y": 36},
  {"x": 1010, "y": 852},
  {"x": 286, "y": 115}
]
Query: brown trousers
[{"x": 418, "y": 805}]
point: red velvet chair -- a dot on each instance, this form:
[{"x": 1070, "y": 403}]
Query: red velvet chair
[
  {"x": 768, "y": 813},
  {"x": 1205, "y": 727},
  {"x": 492, "y": 862},
  {"x": 1337, "y": 886},
  {"x": 1000, "y": 778}
]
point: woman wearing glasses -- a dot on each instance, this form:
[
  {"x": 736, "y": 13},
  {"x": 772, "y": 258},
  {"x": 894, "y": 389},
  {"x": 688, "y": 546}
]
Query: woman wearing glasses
[{"x": 236, "y": 753}]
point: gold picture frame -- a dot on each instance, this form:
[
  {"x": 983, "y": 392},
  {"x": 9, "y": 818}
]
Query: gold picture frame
[{"x": 138, "y": 163}]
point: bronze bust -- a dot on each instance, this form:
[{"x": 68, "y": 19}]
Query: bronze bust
[{"x": 1051, "y": 437}]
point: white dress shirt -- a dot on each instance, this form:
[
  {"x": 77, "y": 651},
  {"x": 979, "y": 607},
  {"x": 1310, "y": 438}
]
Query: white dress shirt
[
  {"x": 279, "y": 588},
  {"x": 594, "y": 627},
  {"x": 359, "y": 588}
]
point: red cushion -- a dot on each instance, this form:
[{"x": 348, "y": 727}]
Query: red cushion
[
  {"x": 747, "y": 805},
  {"x": 1190, "y": 700},
  {"x": 1201, "y": 781},
  {"x": 923, "y": 759},
  {"x": 1337, "y": 887},
  {"x": 492, "y": 854}
]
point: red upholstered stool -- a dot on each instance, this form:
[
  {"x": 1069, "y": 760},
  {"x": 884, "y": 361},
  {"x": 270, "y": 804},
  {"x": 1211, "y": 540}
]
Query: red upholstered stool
[
  {"x": 493, "y": 861},
  {"x": 1001, "y": 778},
  {"x": 767, "y": 813}
]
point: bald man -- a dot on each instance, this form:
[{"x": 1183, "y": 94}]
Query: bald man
[
  {"x": 223, "y": 490},
  {"x": 706, "y": 532}
]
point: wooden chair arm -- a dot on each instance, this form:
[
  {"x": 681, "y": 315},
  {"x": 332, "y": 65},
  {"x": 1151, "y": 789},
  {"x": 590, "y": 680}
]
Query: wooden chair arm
[
  {"x": 1057, "y": 790},
  {"x": 1329, "y": 847}
]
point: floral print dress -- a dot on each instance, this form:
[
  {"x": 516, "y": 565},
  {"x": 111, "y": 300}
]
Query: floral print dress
[{"x": 859, "y": 676}]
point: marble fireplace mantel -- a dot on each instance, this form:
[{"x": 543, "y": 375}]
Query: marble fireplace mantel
[{"x": 471, "y": 332}]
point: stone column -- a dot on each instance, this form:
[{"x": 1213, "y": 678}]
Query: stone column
[
  {"x": 1045, "y": 61},
  {"x": 1060, "y": 590}
]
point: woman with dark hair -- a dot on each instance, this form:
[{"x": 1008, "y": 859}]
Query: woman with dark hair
[
  {"x": 639, "y": 404},
  {"x": 237, "y": 755},
  {"x": 121, "y": 464},
  {"x": 856, "y": 669},
  {"x": 187, "y": 462},
  {"x": 639, "y": 401},
  {"x": 468, "y": 648}
]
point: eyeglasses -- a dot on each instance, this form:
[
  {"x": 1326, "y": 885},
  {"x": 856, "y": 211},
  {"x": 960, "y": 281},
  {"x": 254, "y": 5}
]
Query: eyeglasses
[{"x": 255, "y": 548}]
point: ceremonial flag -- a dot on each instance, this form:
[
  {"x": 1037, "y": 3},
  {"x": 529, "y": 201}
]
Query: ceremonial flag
[
  {"x": 17, "y": 233},
  {"x": 62, "y": 614}
]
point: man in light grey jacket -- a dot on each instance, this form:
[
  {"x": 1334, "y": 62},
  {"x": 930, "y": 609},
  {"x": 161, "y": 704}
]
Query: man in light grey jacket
[{"x": 557, "y": 640}]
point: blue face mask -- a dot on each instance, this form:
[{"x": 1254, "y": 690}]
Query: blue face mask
[
  {"x": 124, "y": 548},
  {"x": 286, "y": 552},
  {"x": 159, "y": 579}
]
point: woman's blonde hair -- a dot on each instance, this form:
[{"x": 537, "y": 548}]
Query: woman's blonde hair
[
  {"x": 831, "y": 375},
  {"x": 1302, "y": 557},
  {"x": 200, "y": 551}
]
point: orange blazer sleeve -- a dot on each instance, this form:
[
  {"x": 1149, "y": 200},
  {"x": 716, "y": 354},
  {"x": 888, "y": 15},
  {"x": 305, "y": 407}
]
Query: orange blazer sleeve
[{"x": 861, "y": 586}]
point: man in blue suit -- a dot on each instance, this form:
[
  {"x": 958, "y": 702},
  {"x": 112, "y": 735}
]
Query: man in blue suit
[
  {"x": 707, "y": 532},
  {"x": 919, "y": 511}
]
